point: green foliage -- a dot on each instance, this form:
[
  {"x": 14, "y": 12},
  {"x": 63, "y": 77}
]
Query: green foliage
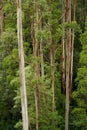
[
  {"x": 79, "y": 113},
  {"x": 9, "y": 9},
  {"x": 46, "y": 115},
  {"x": 79, "y": 119},
  {"x": 18, "y": 125},
  {"x": 10, "y": 100}
]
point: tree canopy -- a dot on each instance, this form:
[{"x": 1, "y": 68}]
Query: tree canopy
[{"x": 54, "y": 42}]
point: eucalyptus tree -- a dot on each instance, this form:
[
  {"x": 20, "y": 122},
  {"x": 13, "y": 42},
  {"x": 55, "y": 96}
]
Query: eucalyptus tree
[
  {"x": 21, "y": 65},
  {"x": 73, "y": 39},
  {"x": 66, "y": 64}
]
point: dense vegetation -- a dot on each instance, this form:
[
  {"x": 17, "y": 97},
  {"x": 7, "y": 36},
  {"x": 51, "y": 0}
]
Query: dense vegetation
[{"x": 47, "y": 31}]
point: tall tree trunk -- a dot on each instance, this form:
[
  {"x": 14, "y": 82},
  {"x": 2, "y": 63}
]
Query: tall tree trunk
[
  {"x": 36, "y": 65},
  {"x": 33, "y": 35},
  {"x": 36, "y": 94},
  {"x": 1, "y": 17},
  {"x": 63, "y": 69},
  {"x": 41, "y": 43},
  {"x": 1, "y": 31},
  {"x": 68, "y": 60},
  {"x": 42, "y": 59},
  {"x": 34, "y": 31},
  {"x": 73, "y": 37},
  {"x": 21, "y": 66},
  {"x": 52, "y": 74},
  {"x": 66, "y": 63}
]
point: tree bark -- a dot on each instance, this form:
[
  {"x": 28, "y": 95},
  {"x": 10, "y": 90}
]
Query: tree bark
[
  {"x": 68, "y": 60},
  {"x": 73, "y": 37},
  {"x": 63, "y": 69},
  {"x": 52, "y": 67},
  {"x": 21, "y": 66},
  {"x": 42, "y": 59},
  {"x": 1, "y": 17},
  {"x": 41, "y": 42},
  {"x": 34, "y": 31},
  {"x": 52, "y": 72},
  {"x": 66, "y": 55},
  {"x": 36, "y": 65}
]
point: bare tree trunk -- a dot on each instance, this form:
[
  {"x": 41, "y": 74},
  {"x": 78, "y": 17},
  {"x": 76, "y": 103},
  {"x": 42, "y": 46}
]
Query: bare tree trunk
[
  {"x": 67, "y": 58},
  {"x": 36, "y": 89},
  {"x": 72, "y": 48},
  {"x": 63, "y": 70},
  {"x": 36, "y": 94},
  {"x": 52, "y": 73},
  {"x": 1, "y": 31},
  {"x": 42, "y": 59},
  {"x": 21, "y": 66},
  {"x": 33, "y": 36},
  {"x": 67, "y": 16},
  {"x": 41, "y": 44},
  {"x": 34, "y": 31},
  {"x": 1, "y": 17},
  {"x": 67, "y": 85},
  {"x": 36, "y": 66}
]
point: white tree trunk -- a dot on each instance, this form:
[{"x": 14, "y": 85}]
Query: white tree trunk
[{"x": 21, "y": 66}]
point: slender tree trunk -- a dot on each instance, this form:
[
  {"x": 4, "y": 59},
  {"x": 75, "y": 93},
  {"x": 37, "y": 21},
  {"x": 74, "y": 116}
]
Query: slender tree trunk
[
  {"x": 36, "y": 66},
  {"x": 33, "y": 35},
  {"x": 67, "y": 15},
  {"x": 67, "y": 63},
  {"x": 41, "y": 44},
  {"x": 63, "y": 70},
  {"x": 72, "y": 48},
  {"x": 52, "y": 73},
  {"x": 42, "y": 59},
  {"x": 67, "y": 86},
  {"x": 1, "y": 17},
  {"x": 36, "y": 91},
  {"x": 1, "y": 31},
  {"x": 34, "y": 30},
  {"x": 21, "y": 66},
  {"x": 36, "y": 94}
]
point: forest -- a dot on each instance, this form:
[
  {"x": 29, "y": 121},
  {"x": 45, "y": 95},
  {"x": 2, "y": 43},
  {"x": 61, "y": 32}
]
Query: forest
[{"x": 43, "y": 64}]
